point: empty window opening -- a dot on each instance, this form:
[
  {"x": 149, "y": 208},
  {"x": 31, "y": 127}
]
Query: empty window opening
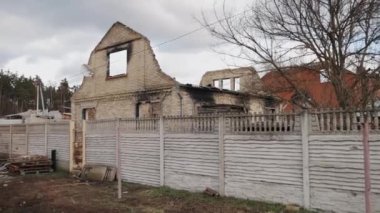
[
  {"x": 137, "y": 111},
  {"x": 226, "y": 84},
  {"x": 88, "y": 114},
  {"x": 118, "y": 63},
  {"x": 156, "y": 109},
  {"x": 147, "y": 110},
  {"x": 237, "y": 84},
  {"x": 217, "y": 83}
]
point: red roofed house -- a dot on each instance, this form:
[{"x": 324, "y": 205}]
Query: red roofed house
[{"x": 309, "y": 81}]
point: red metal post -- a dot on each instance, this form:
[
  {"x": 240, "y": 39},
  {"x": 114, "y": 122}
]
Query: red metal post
[{"x": 367, "y": 170}]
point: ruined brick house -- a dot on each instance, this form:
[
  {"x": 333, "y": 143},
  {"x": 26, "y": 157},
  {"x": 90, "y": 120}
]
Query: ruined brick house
[
  {"x": 143, "y": 90},
  {"x": 138, "y": 88}
]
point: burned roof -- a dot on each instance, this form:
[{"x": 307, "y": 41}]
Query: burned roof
[{"x": 190, "y": 87}]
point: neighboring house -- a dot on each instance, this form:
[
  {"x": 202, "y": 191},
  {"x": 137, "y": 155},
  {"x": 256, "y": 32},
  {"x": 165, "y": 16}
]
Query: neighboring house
[
  {"x": 135, "y": 86},
  {"x": 310, "y": 82}
]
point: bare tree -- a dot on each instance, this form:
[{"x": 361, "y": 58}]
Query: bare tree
[{"x": 339, "y": 35}]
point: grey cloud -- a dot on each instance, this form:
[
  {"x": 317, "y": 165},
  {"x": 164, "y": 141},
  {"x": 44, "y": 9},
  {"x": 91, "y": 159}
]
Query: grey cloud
[
  {"x": 50, "y": 18},
  {"x": 5, "y": 56},
  {"x": 54, "y": 29}
]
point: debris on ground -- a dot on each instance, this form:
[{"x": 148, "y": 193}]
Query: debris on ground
[
  {"x": 98, "y": 173},
  {"x": 211, "y": 192},
  {"x": 4, "y": 172},
  {"x": 73, "y": 201},
  {"x": 292, "y": 208},
  {"x": 4, "y": 168},
  {"x": 30, "y": 164}
]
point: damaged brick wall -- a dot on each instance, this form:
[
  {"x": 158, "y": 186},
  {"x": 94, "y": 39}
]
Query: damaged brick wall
[
  {"x": 248, "y": 78},
  {"x": 143, "y": 74}
]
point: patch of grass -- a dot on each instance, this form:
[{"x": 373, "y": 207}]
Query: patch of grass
[
  {"x": 133, "y": 187},
  {"x": 256, "y": 206},
  {"x": 170, "y": 193},
  {"x": 60, "y": 173},
  {"x": 191, "y": 197}
]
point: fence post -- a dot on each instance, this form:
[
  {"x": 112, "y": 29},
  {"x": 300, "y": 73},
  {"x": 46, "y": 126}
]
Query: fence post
[
  {"x": 10, "y": 141},
  {"x": 367, "y": 169},
  {"x": 27, "y": 138},
  {"x": 72, "y": 139},
  {"x": 84, "y": 127},
  {"x": 162, "y": 152},
  {"x": 46, "y": 139},
  {"x": 118, "y": 158},
  {"x": 221, "y": 155},
  {"x": 305, "y": 125}
]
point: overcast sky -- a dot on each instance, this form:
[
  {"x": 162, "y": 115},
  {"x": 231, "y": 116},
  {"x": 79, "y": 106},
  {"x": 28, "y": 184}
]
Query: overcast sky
[{"x": 53, "y": 39}]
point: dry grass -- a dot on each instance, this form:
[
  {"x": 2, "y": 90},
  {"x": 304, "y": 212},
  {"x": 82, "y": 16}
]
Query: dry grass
[{"x": 61, "y": 193}]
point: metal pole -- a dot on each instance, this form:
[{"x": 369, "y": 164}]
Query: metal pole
[
  {"x": 367, "y": 170},
  {"x": 42, "y": 98}
]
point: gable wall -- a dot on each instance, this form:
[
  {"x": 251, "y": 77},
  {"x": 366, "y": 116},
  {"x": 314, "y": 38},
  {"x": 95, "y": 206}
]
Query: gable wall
[
  {"x": 117, "y": 96},
  {"x": 143, "y": 72}
]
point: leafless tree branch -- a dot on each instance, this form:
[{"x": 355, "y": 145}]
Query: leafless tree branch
[{"x": 340, "y": 35}]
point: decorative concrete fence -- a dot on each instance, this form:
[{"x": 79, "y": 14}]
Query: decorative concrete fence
[
  {"x": 311, "y": 159},
  {"x": 37, "y": 138}
]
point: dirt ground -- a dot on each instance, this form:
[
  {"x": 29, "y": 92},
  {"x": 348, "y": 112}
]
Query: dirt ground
[{"x": 61, "y": 193}]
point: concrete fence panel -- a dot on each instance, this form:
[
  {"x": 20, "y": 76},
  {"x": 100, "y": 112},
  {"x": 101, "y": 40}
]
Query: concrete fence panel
[
  {"x": 264, "y": 167},
  {"x": 140, "y": 158},
  {"x": 18, "y": 140},
  {"x": 5, "y": 140},
  {"x": 374, "y": 141},
  {"x": 100, "y": 142},
  {"x": 58, "y": 138},
  {"x": 337, "y": 172},
  {"x": 191, "y": 161},
  {"x": 36, "y": 139}
]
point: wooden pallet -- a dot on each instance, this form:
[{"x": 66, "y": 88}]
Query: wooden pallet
[
  {"x": 40, "y": 171},
  {"x": 13, "y": 168},
  {"x": 33, "y": 163},
  {"x": 32, "y": 158},
  {"x": 29, "y": 169}
]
